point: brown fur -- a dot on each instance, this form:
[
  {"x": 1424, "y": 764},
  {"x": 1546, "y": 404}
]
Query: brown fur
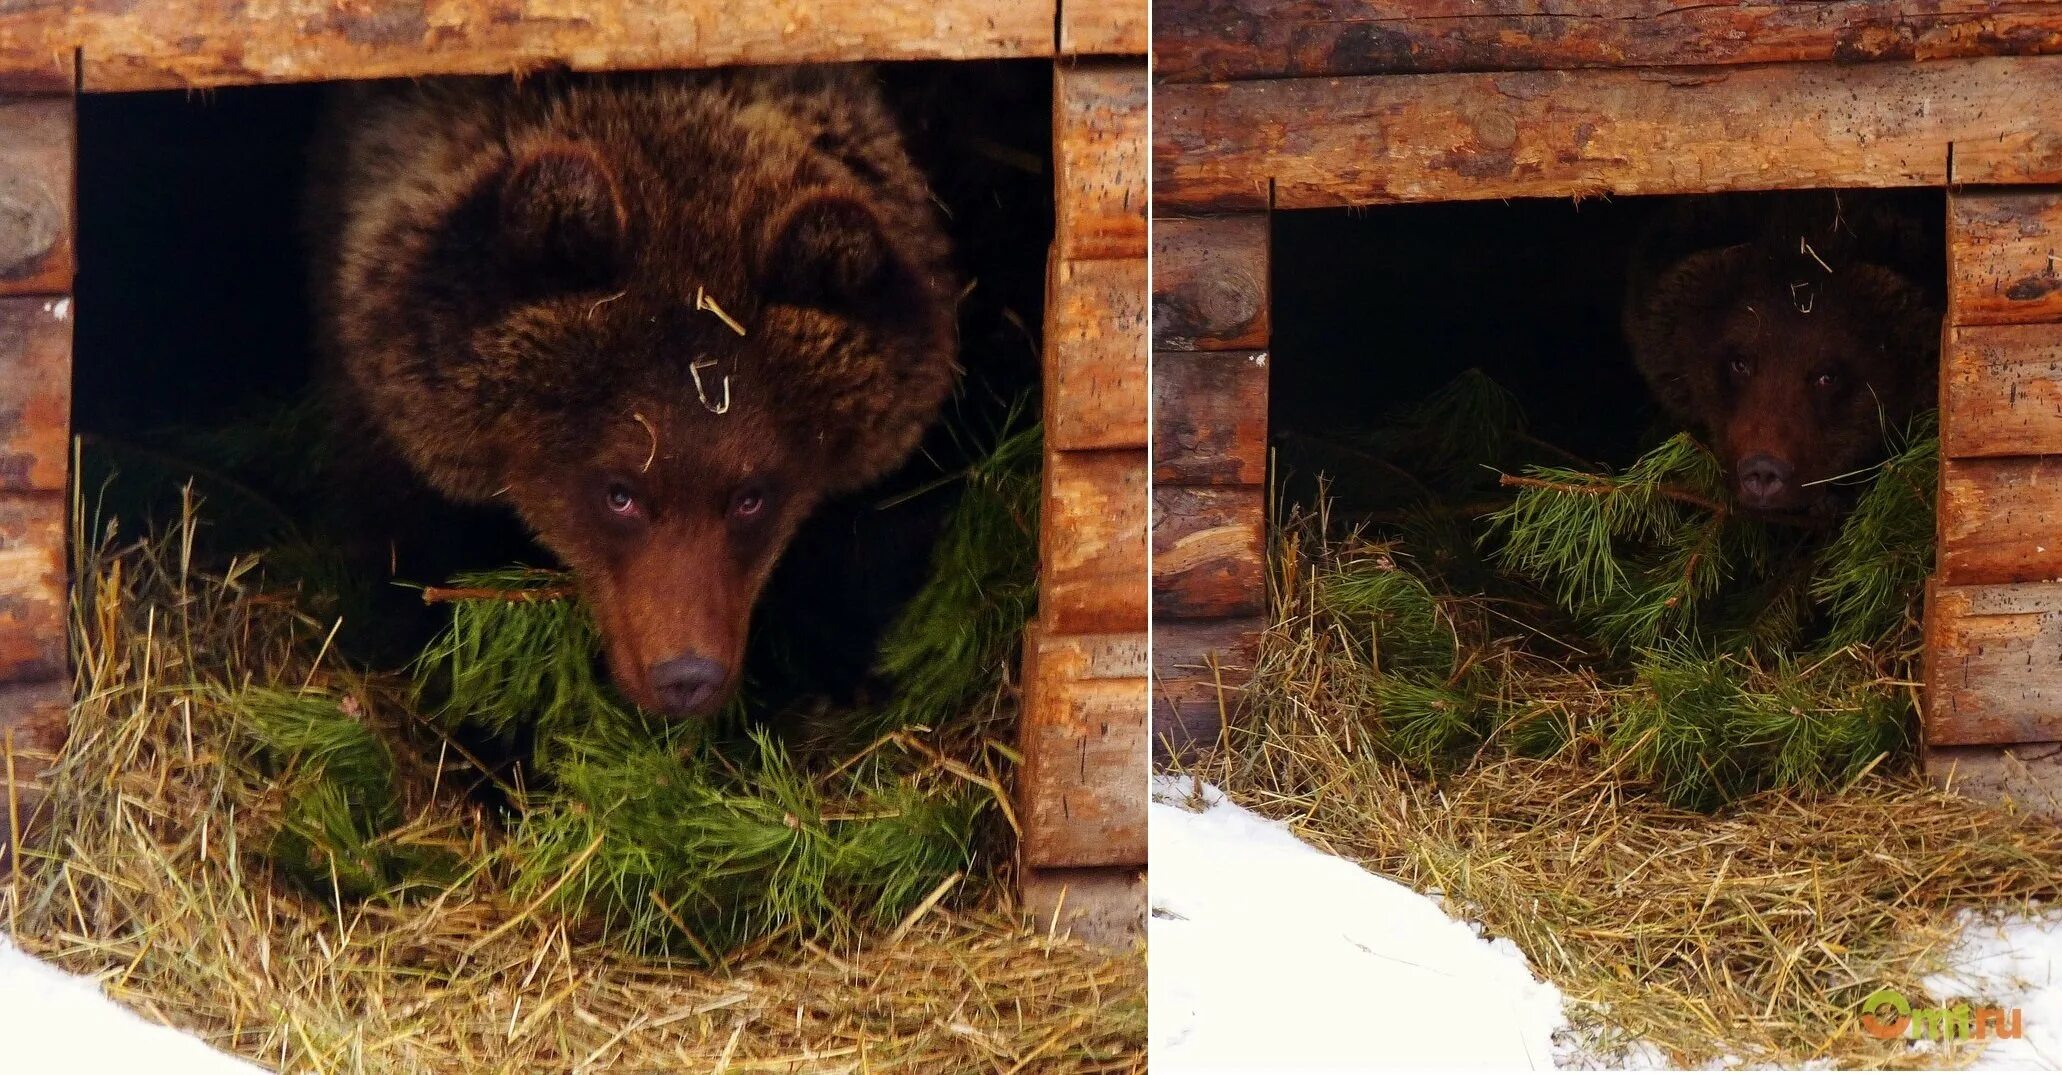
[
  {"x": 508, "y": 277},
  {"x": 1789, "y": 361}
]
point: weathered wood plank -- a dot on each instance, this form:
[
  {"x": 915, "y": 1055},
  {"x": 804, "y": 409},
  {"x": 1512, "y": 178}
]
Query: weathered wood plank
[
  {"x": 1099, "y": 159},
  {"x": 2005, "y": 256},
  {"x": 1998, "y": 520},
  {"x": 33, "y": 721},
  {"x": 1200, "y": 670},
  {"x": 1095, "y": 346},
  {"x": 1092, "y": 574},
  {"x": 2001, "y": 390},
  {"x": 1083, "y": 784},
  {"x": 1103, "y": 906},
  {"x": 1210, "y": 283},
  {"x": 2021, "y": 158},
  {"x": 1209, "y": 552},
  {"x": 33, "y": 588},
  {"x": 1210, "y": 417},
  {"x": 36, "y": 168},
  {"x": 1409, "y": 138},
  {"x": 1991, "y": 655},
  {"x": 35, "y": 394},
  {"x": 164, "y": 45},
  {"x": 2024, "y": 776},
  {"x": 36, "y": 51},
  {"x": 1104, "y": 28},
  {"x": 1223, "y": 40}
]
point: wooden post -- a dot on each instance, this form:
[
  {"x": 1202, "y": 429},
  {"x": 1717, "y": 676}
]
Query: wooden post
[
  {"x": 1210, "y": 366},
  {"x": 1083, "y": 785},
  {"x": 1993, "y": 721},
  {"x": 37, "y": 140}
]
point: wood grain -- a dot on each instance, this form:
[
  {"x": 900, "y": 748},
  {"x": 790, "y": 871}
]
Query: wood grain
[
  {"x": 2001, "y": 391},
  {"x": 33, "y": 588},
  {"x": 2023, "y": 776},
  {"x": 1100, "y": 905},
  {"x": 1221, "y": 40},
  {"x": 2021, "y": 158},
  {"x": 1095, "y": 348},
  {"x": 36, "y": 166},
  {"x": 163, "y": 45},
  {"x": 1105, "y": 27},
  {"x": 1991, "y": 654},
  {"x": 2005, "y": 256},
  {"x": 1099, "y": 159},
  {"x": 1209, "y": 552},
  {"x": 1410, "y": 138},
  {"x": 1210, "y": 283},
  {"x": 1082, "y": 787},
  {"x": 1210, "y": 417},
  {"x": 35, "y": 394},
  {"x": 1998, "y": 520},
  {"x": 1092, "y": 574},
  {"x": 1200, "y": 670},
  {"x": 33, "y": 722}
]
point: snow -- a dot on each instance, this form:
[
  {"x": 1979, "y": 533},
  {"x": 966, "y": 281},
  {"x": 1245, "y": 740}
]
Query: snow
[
  {"x": 52, "y": 1022},
  {"x": 2011, "y": 962},
  {"x": 1270, "y": 955}
]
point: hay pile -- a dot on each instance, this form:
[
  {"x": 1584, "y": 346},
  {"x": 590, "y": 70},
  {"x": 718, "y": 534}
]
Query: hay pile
[{"x": 158, "y": 864}]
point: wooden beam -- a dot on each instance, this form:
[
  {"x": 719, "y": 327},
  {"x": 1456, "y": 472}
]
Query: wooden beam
[
  {"x": 2023, "y": 776},
  {"x": 1410, "y": 138},
  {"x": 2001, "y": 391},
  {"x": 36, "y": 168},
  {"x": 35, "y": 394},
  {"x": 1099, "y": 159},
  {"x": 1998, "y": 520},
  {"x": 1209, "y": 552},
  {"x": 1104, "y": 28},
  {"x": 1103, "y": 906},
  {"x": 2020, "y": 158},
  {"x": 1082, "y": 790},
  {"x": 1211, "y": 417},
  {"x": 1223, "y": 40},
  {"x": 1092, "y": 573},
  {"x": 1210, "y": 283},
  {"x": 33, "y": 588},
  {"x": 2005, "y": 256},
  {"x": 1200, "y": 671},
  {"x": 33, "y": 722},
  {"x": 1095, "y": 354},
  {"x": 1991, "y": 655}
]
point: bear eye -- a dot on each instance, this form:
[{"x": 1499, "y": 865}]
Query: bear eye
[
  {"x": 621, "y": 500},
  {"x": 1742, "y": 367},
  {"x": 747, "y": 502},
  {"x": 1826, "y": 381}
]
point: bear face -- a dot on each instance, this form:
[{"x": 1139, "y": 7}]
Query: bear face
[
  {"x": 661, "y": 318},
  {"x": 1791, "y": 355}
]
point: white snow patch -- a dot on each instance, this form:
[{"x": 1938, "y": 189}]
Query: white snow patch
[
  {"x": 2011, "y": 962},
  {"x": 1270, "y": 955},
  {"x": 54, "y": 1023}
]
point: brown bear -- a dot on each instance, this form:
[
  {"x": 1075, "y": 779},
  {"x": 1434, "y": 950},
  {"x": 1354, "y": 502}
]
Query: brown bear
[
  {"x": 1795, "y": 333},
  {"x": 663, "y": 317}
]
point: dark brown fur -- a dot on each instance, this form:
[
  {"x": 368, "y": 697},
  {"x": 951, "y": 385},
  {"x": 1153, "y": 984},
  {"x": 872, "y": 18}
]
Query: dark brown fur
[
  {"x": 509, "y": 280},
  {"x": 1794, "y": 333}
]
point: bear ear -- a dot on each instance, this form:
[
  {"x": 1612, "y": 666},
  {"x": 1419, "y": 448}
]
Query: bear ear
[
  {"x": 558, "y": 219},
  {"x": 829, "y": 252}
]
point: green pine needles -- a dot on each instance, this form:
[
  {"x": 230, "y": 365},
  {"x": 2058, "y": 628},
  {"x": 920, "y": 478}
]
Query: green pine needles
[{"x": 1707, "y": 651}]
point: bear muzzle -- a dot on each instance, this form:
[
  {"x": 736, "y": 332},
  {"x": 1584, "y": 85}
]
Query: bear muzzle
[{"x": 1764, "y": 482}]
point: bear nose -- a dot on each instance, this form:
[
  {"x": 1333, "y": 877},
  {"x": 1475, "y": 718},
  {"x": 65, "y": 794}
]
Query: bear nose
[
  {"x": 687, "y": 685},
  {"x": 1763, "y": 478}
]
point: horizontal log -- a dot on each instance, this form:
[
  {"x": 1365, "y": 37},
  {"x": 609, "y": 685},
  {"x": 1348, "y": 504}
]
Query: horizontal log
[
  {"x": 1104, "y": 906},
  {"x": 1099, "y": 159},
  {"x": 1105, "y": 27},
  {"x": 1082, "y": 788},
  {"x": 1409, "y": 138},
  {"x": 2021, "y": 158},
  {"x": 2005, "y": 256},
  {"x": 1200, "y": 671},
  {"x": 1222, "y": 40},
  {"x": 1209, "y": 552},
  {"x": 35, "y": 394},
  {"x": 165, "y": 45},
  {"x": 1210, "y": 283},
  {"x": 1998, "y": 520},
  {"x": 2025, "y": 776},
  {"x": 1210, "y": 417},
  {"x": 2001, "y": 391},
  {"x": 1092, "y": 546},
  {"x": 1993, "y": 654},
  {"x": 36, "y": 168},
  {"x": 33, "y": 588},
  {"x": 1095, "y": 366}
]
